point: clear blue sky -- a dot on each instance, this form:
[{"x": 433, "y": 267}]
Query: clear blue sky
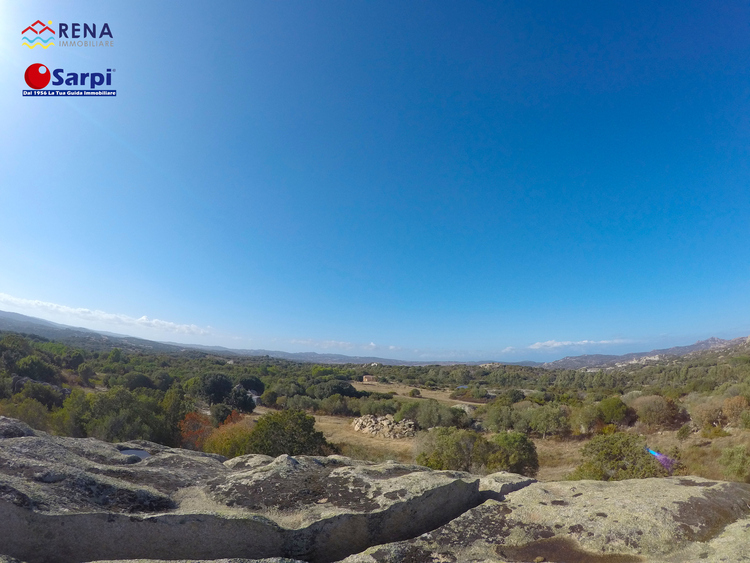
[{"x": 415, "y": 180}]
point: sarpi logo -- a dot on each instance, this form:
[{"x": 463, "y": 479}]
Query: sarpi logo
[
  {"x": 38, "y": 34},
  {"x": 38, "y": 77}
]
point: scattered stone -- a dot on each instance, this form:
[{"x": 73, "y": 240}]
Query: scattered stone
[
  {"x": 468, "y": 409},
  {"x": 385, "y": 426}
]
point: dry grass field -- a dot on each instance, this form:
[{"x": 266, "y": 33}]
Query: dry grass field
[
  {"x": 557, "y": 457},
  {"x": 339, "y": 430},
  {"x": 440, "y": 395},
  {"x": 699, "y": 455}
]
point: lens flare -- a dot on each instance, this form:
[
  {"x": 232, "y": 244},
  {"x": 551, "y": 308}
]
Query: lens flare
[{"x": 666, "y": 462}]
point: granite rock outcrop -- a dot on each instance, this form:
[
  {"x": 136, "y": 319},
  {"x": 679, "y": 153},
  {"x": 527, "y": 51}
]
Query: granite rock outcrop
[{"x": 72, "y": 500}]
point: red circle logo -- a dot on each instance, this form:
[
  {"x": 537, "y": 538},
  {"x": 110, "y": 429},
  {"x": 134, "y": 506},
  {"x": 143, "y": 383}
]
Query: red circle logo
[{"x": 37, "y": 76}]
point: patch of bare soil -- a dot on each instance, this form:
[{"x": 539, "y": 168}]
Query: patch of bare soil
[{"x": 557, "y": 458}]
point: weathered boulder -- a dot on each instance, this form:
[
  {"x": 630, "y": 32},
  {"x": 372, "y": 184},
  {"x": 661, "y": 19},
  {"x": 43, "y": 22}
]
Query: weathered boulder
[
  {"x": 68, "y": 500},
  {"x": 12, "y": 428},
  {"x": 385, "y": 426},
  {"x": 143, "y": 500},
  {"x": 673, "y": 519},
  {"x": 18, "y": 383}
]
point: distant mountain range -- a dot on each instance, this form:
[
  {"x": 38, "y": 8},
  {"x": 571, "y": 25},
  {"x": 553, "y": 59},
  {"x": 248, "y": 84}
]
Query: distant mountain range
[
  {"x": 101, "y": 341},
  {"x": 604, "y": 361}
]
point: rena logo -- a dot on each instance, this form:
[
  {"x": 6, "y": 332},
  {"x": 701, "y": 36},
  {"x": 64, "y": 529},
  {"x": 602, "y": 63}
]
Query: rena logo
[
  {"x": 38, "y": 34},
  {"x": 87, "y": 31},
  {"x": 38, "y": 76}
]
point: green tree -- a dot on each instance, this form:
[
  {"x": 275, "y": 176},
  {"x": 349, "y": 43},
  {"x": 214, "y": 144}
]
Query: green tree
[
  {"x": 239, "y": 399},
  {"x": 75, "y": 414},
  {"x": 120, "y": 415},
  {"x": 175, "y": 406},
  {"x": 613, "y": 410},
  {"x": 252, "y": 383},
  {"x": 36, "y": 368},
  {"x": 586, "y": 418},
  {"x": 85, "y": 373},
  {"x": 499, "y": 417},
  {"x": 549, "y": 419},
  {"x": 287, "y": 432},
  {"x": 219, "y": 413},
  {"x": 215, "y": 387},
  {"x": 48, "y": 395}
]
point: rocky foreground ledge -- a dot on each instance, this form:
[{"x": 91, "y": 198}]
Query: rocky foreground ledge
[{"x": 69, "y": 500}]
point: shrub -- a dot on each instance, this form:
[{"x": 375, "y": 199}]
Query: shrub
[
  {"x": 378, "y": 407},
  {"x": 194, "y": 429},
  {"x": 269, "y": 398},
  {"x": 30, "y": 411},
  {"x": 229, "y": 440},
  {"x": 455, "y": 449},
  {"x": 415, "y": 393},
  {"x": 613, "y": 411},
  {"x": 48, "y": 395},
  {"x": 336, "y": 405},
  {"x": 586, "y": 419},
  {"x": 733, "y": 407},
  {"x": 430, "y": 413},
  {"x": 684, "y": 432},
  {"x": 613, "y": 457},
  {"x": 736, "y": 463},
  {"x": 713, "y": 432},
  {"x": 302, "y": 403},
  {"x": 516, "y": 453},
  {"x": 466, "y": 450},
  {"x": 708, "y": 413},
  {"x": 287, "y": 432},
  {"x": 133, "y": 381},
  {"x": 654, "y": 410}
]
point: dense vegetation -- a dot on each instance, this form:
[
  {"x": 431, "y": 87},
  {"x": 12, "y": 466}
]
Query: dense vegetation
[{"x": 195, "y": 399}]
